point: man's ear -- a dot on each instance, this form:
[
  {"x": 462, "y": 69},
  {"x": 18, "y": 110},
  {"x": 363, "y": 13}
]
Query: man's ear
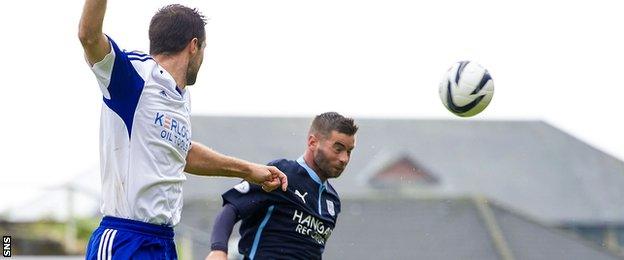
[
  {"x": 194, "y": 46},
  {"x": 312, "y": 141}
]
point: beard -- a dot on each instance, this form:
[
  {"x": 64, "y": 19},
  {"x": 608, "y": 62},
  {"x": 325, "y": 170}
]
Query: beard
[
  {"x": 191, "y": 77},
  {"x": 192, "y": 70},
  {"x": 325, "y": 166}
]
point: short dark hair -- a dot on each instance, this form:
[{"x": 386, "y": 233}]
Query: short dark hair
[
  {"x": 173, "y": 26},
  {"x": 330, "y": 121}
]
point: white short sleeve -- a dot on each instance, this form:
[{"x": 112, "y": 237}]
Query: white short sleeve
[{"x": 103, "y": 70}]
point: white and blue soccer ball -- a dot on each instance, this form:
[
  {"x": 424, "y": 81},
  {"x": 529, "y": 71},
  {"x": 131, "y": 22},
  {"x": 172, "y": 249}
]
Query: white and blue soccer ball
[{"x": 466, "y": 89}]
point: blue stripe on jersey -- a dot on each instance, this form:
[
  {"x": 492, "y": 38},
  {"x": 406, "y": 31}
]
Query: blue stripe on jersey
[
  {"x": 140, "y": 59},
  {"x": 316, "y": 178},
  {"x": 319, "y": 200},
  {"x": 136, "y": 54},
  {"x": 311, "y": 172},
  {"x": 125, "y": 88},
  {"x": 259, "y": 232}
]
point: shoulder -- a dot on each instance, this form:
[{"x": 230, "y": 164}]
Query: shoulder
[
  {"x": 278, "y": 162},
  {"x": 147, "y": 68},
  {"x": 285, "y": 165},
  {"x": 124, "y": 54},
  {"x": 130, "y": 54},
  {"x": 137, "y": 55},
  {"x": 333, "y": 191},
  {"x": 137, "y": 61}
]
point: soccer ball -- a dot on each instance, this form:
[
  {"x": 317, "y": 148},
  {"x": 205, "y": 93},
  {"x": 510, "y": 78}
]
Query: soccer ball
[{"x": 466, "y": 89}]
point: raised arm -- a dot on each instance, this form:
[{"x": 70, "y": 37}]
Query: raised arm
[
  {"x": 94, "y": 42},
  {"x": 202, "y": 160}
]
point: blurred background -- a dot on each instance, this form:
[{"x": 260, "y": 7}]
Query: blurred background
[{"x": 537, "y": 175}]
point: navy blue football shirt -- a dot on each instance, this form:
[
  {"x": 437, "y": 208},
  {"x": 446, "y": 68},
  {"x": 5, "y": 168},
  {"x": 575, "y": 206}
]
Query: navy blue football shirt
[{"x": 294, "y": 224}]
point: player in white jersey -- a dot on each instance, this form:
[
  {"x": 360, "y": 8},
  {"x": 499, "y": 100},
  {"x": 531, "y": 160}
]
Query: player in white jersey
[{"x": 145, "y": 133}]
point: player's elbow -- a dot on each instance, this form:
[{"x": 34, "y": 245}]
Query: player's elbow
[
  {"x": 88, "y": 37},
  {"x": 85, "y": 38}
]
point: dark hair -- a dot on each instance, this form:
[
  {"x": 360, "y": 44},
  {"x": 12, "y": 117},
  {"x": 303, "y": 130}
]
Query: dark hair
[
  {"x": 330, "y": 121},
  {"x": 173, "y": 27}
]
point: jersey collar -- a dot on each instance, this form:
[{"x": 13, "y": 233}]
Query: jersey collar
[{"x": 311, "y": 172}]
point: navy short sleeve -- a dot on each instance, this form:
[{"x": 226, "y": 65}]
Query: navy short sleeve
[{"x": 247, "y": 199}]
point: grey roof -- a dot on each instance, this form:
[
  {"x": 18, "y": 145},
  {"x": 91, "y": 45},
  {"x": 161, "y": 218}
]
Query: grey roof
[
  {"x": 530, "y": 240},
  {"x": 529, "y": 166},
  {"x": 403, "y": 229},
  {"x": 391, "y": 228}
]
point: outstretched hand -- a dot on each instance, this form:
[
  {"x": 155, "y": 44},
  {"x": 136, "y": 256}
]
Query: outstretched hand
[{"x": 269, "y": 177}]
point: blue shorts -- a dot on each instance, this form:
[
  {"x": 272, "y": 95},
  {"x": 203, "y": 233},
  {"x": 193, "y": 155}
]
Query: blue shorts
[{"x": 118, "y": 238}]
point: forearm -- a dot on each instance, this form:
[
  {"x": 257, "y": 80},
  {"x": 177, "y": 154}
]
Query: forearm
[
  {"x": 202, "y": 160},
  {"x": 92, "y": 19},
  {"x": 90, "y": 31},
  {"x": 222, "y": 229}
]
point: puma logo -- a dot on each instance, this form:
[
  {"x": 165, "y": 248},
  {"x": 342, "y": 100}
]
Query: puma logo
[{"x": 301, "y": 196}]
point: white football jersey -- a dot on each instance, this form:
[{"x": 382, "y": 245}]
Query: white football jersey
[{"x": 145, "y": 135}]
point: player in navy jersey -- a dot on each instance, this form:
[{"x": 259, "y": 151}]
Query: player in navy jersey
[
  {"x": 294, "y": 224},
  {"x": 145, "y": 133}
]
